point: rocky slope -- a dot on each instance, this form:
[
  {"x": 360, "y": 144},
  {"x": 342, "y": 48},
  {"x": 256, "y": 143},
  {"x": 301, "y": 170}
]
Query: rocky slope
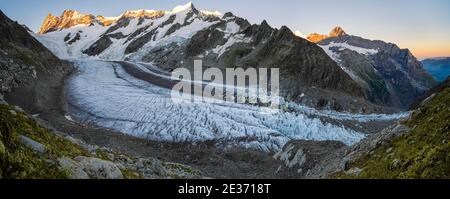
[
  {"x": 415, "y": 147},
  {"x": 439, "y": 68},
  {"x": 173, "y": 39},
  {"x": 421, "y": 150},
  {"x": 388, "y": 75},
  {"x": 23, "y": 60}
]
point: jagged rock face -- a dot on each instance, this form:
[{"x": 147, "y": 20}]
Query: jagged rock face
[
  {"x": 173, "y": 39},
  {"x": 68, "y": 19},
  {"x": 22, "y": 58},
  {"x": 389, "y": 75},
  {"x": 336, "y": 32}
]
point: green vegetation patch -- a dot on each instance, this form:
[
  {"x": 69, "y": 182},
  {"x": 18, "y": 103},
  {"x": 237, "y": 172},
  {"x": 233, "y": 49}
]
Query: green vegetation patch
[
  {"x": 18, "y": 161},
  {"x": 422, "y": 153}
]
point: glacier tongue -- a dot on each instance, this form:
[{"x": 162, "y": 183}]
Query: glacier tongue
[{"x": 103, "y": 94}]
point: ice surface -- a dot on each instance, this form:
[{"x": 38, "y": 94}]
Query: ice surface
[{"x": 102, "y": 93}]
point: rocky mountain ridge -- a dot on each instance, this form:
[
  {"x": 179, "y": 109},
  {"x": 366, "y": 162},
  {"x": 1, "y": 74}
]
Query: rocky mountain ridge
[
  {"x": 388, "y": 74},
  {"x": 71, "y": 18}
]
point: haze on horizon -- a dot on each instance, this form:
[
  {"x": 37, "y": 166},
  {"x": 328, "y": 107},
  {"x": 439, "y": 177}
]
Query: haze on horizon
[{"x": 422, "y": 26}]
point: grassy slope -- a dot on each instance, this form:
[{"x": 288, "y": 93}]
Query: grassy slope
[
  {"x": 422, "y": 153},
  {"x": 18, "y": 161}
]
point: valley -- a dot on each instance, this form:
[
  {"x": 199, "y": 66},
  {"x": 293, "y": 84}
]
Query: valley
[{"x": 107, "y": 82}]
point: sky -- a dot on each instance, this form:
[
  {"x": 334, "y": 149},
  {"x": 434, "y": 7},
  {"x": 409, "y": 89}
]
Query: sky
[{"x": 423, "y": 26}]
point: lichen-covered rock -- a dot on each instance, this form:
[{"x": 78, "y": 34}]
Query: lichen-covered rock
[
  {"x": 72, "y": 168},
  {"x": 87, "y": 147},
  {"x": 33, "y": 145},
  {"x": 353, "y": 171},
  {"x": 98, "y": 168}
]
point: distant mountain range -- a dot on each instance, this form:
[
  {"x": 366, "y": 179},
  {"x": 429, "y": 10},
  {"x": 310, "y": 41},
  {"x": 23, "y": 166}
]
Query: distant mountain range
[{"x": 438, "y": 67}]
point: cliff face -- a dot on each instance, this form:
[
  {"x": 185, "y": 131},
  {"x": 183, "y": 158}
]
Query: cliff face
[
  {"x": 23, "y": 59},
  {"x": 68, "y": 19}
]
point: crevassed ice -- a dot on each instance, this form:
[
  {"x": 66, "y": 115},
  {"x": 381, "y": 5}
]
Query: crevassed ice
[{"x": 102, "y": 93}]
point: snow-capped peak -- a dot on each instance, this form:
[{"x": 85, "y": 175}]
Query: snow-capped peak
[
  {"x": 68, "y": 19},
  {"x": 211, "y": 13},
  {"x": 335, "y": 32},
  {"x": 299, "y": 34},
  {"x": 182, "y": 8},
  {"x": 138, "y": 12},
  {"x": 73, "y": 14}
]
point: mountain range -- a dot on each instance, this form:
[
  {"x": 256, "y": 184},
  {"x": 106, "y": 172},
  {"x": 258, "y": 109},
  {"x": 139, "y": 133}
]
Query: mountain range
[
  {"x": 439, "y": 68},
  {"x": 354, "y": 67}
]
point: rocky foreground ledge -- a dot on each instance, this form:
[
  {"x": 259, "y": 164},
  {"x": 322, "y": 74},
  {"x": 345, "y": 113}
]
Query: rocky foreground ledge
[{"x": 28, "y": 150}]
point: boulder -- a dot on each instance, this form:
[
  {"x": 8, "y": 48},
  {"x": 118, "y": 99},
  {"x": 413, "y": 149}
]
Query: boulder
[
  {"x": 73, "y": 169},
  {"x": 99, "y": 169},
  {"x": 33, "y": 145}
]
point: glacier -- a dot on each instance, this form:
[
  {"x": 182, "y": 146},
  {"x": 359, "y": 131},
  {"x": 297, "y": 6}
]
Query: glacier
[{"x": 103, "y": 94}]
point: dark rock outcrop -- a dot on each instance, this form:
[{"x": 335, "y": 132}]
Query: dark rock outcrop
[
  {"x": 23, "y": 60},
  {"x": 99, "y": 46}
]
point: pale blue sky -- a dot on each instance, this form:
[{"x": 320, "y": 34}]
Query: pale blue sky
[{"x": 421, "y": 25}]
